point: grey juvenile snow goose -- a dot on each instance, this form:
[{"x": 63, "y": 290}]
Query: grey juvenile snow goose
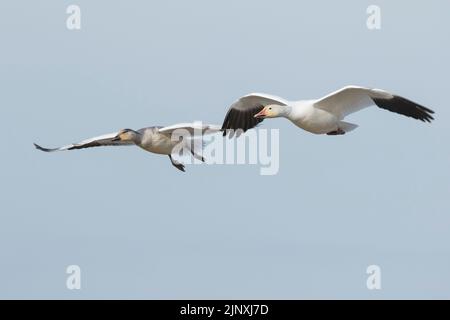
[{"x": 153, "y": 139}]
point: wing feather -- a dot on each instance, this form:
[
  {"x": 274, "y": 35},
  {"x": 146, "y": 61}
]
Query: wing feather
[
  {"x": 103, "y": 140},
  {"x": 193, "y": 128},
  {"x": 353, "y": 98},
  {"x": 241, "y": 113}
]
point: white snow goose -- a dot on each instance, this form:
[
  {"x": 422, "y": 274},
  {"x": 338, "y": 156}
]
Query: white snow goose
[{"x": 321, "y": 116}]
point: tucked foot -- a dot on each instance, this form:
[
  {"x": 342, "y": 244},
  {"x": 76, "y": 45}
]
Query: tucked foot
[
  {"x": 179, "y": 166},
  {"x": 337, "y": 132},
  {"x": 176, "y": 164}
]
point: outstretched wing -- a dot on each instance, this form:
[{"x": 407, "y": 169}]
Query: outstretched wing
[
  {"x": 240, "y": 115},
  {"x": 103, "y": 140},
  {"x": 353, "y": 98},
  {"x": 194, "y": 128}
]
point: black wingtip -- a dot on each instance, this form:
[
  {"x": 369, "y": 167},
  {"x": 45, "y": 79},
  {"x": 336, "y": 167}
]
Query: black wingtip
[
  {"x": 42, "y": 148},
  {"x": 237, "y": 119},
  {"x": 38, "y": 147},
  {"x": 405, "y": 107}
]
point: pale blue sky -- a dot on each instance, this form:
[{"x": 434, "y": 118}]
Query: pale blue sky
[{"x": 138, "y": 228}]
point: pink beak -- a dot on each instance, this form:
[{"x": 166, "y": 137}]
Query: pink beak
[{"x": 260, "y": 114}]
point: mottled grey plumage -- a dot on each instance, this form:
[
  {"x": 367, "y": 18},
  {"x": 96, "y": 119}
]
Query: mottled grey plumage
[{"x": 156, "y": 139}]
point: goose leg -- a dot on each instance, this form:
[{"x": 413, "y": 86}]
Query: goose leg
[
  {"x": 197, "y": 156},
  {"x": 176, "y": 164},
  {"x": 192, "y": 148},
  {"x": 337, "y": 132}
]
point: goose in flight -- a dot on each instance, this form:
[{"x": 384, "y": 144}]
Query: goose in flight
[
  {"x": 153, "y": 139},
  {"x": 321, "y": 116}
]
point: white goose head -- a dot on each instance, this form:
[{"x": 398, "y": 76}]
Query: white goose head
[{"x": 272, "y": 111}]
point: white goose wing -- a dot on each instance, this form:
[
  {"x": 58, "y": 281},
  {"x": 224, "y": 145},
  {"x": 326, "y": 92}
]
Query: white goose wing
[
  {"x": 353, "y": 98},
  {"x": 241, "y": 113},
  {"x": 193, "y": 128},
  {"x": 103, "y": 140}
]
